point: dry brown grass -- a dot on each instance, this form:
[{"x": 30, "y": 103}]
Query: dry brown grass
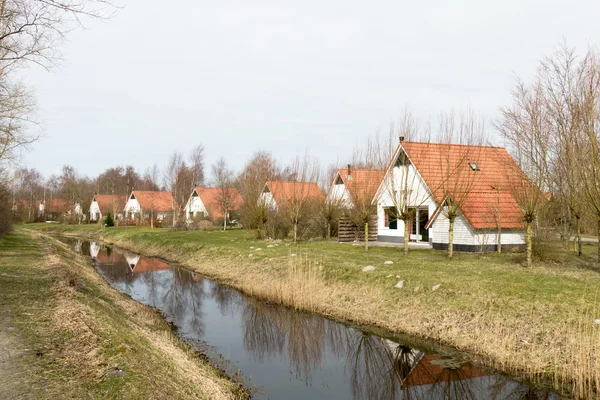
[{"x": 89, "y": 331}]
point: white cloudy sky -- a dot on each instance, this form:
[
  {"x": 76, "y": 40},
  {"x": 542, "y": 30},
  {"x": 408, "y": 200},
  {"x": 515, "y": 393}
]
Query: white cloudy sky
[{"x": 284, "y": 76}]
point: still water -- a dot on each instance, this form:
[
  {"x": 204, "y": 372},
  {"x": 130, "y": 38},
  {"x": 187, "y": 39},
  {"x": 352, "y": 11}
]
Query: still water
[{"x": 280, "y": 353}]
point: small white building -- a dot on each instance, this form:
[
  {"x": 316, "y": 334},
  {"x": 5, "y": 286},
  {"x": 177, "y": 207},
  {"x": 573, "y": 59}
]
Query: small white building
[
  {"x": 146, "y": 203},
  {"x": 350, "y": 183},
  {"x": 277, "y": 194},
  {"x": 104, "y": 203},
  {"x": 207, "y": 202},
  {"x": 415, "y": 180}
]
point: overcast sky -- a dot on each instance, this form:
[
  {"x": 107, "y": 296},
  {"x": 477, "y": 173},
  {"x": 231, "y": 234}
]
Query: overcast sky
[{"x": 283, "y": 76}]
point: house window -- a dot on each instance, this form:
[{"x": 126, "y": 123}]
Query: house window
[
  {"x": 402, "y": 160},
  {"x": 391, "y": 217},
  {"x": 339, "y": 181},
  {"x": 194, "y": 194},
  {"x": 266, "y": 190},
  {"x": 132, "y": 196},
  {"x": 473, "y": 166}
]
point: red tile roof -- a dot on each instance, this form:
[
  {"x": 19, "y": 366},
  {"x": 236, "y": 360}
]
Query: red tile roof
[
  {"x": 485, "y": 194},
  {"x": 429, "y": 372},
  {"x": 57, "y": 206},
  {"x": 114, "y": 258},
  {"x": 150, "y": 264},
  {"x": 286, "y": 192},
  {"x": 158, "y": 201},
  {"x": 110, "y": 202},
  {"x": 211, "y": 198},
  {"x": 361, "y": 181}
]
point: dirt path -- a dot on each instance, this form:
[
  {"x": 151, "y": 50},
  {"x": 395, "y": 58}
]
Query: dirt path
[{"x": 15, "y": 376}]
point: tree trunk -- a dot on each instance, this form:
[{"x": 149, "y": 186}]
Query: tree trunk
[
  {"x": 499, "y": 239},
  {"x": 328, "y": 230},
  {"x": 225, "y": 221},
  {"x": 406, "y": 236},
  {"x": 295, "y": 231},
  {"x": 151, "y": 219},
  {"x": 578, "y": 237},
  {"x": 366, "y": 236},
  {"x": 451, "y": 239},
  {"x": 529, "y": 243},
  {"x": 599, "y": 240}
]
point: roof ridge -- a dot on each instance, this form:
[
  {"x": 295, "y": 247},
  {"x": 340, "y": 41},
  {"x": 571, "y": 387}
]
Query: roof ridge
[{"x": 456, "y": 144}]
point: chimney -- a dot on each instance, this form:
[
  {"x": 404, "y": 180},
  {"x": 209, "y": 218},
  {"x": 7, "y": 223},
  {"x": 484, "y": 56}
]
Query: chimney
[
  {"x": 349, "y": 172},
  {"x": 401, "y": 138}
]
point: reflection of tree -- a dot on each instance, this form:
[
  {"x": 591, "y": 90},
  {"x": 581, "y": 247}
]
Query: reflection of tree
[
  {"x": 306, "y": 342},
  {"x": 263, "y": 337},
  {"x": 225, "y": 298},
  {"x": 378, "y": 367}
]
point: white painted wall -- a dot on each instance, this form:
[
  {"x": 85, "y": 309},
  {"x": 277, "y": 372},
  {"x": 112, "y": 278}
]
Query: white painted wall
[
  {"x": 339, "y": 193},
  {"x": 94, "y": 249},
  {"x": 132, "y": 259},
  {"x": 397, "y": 179},
  {"x": 195, "y": 206},
  {"x": 95, "y": 213},
  {"x": 267, "y": 199},
  {"x": 131, "y": 207},
  {"x": 465, "y": 234}
]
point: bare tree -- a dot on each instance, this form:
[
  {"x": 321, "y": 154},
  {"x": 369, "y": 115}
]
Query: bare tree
[
  {"x": 588, "y": 146},
  {"x": 459, "y": 158},
  {"x": 525, "y": 128},
  {"x": 226, "y": 195},
  {"x": 30, "y": 32},
  {"x": 171, "y": 173},
  {"x": 302, "y": 194},
  {"x": 251, "y": 182},
  {"x": 197, "y": 166},
  {"x": 559, "y": 76},
  {"x": 330, "y": 209}
]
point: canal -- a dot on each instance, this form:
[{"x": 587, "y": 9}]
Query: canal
[{"x": 280, "y": 353}]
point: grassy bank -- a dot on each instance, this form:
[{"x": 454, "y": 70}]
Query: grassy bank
[
  {"x": 67, "y": 334},
  {"x": 537, "y": 323}
]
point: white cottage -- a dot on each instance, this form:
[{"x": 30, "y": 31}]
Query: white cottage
[
  {"x": 104, "y": 203},
  {"x": 146, "y": 202},
  {"x": 277, "y": 194},
  {"x": 416, "y": 176},
  {"x": 206, "y": 202},
  {"x": 349, "y": 183}
]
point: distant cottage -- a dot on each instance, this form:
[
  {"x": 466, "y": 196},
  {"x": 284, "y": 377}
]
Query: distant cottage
[
  {"x": 278, "y": 194},
  {"x": 146, "y": 203},
  {"x": 105, "y": 203},
  {"x": 208, "y": 202}
]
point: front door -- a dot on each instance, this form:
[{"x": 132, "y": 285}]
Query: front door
[{"x": 423, "y": 218}]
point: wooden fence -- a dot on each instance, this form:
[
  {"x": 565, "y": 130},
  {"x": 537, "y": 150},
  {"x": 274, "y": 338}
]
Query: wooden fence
[{"x": 348, "y": 232}]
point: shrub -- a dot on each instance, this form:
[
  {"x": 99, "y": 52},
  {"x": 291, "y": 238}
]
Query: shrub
[
  {"x": 108, "y": 221},
  {"x": 6, "y": 215},
  {"x": 277, "y": 225}
]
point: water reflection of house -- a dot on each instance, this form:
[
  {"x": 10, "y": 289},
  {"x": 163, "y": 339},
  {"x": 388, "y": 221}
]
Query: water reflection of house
[
  {"x": 132, "y": 259},
  {"x": 434, "y": 377},
  {"x": 197, "y": 277},
  {"x": 94, "y": 249},
  {"x": 141, "y": 264},
  {"x": 104, "y": 257}
]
